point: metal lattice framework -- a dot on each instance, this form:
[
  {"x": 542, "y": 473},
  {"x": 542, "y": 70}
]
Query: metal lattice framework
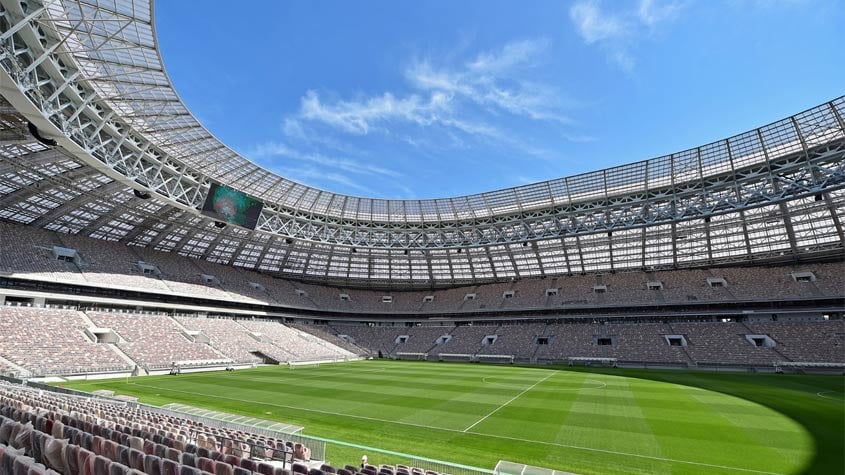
[{"x": 89, "y": 74}]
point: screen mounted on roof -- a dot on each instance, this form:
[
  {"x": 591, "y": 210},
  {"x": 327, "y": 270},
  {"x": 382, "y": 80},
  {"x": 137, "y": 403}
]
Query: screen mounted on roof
[{"x": 231, "y": 206}]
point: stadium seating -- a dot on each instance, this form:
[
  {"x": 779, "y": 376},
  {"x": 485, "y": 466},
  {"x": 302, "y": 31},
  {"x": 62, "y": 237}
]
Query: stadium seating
[
  {"x": 800, "y": 341},
  {"x": 516, "y": 340},
  {"x": 227, "y": 335},
  {"x": 301, "y": 345},
  {"x": 45, "y": 432},
  {"x": 156, "y": 341},
  {"x": 723, "y": 343},
  {"x": 52, "y": 341},
  {"x": 324, "y": 332},
  {"x": 572, "y": 339},
  {"x": 28, "y": 252},
  {"x": 708, "y": 343},
  {"x": 466, "y": 340},
  {"x": 42, "y": 341},
  {"x": 114, "y": 265},
  {"x": 81, "y": 435}
]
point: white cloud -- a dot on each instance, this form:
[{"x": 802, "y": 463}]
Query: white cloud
[
  {"x": 594, "y": 25},
  {"x": 618, "y": 32},
  {"x": 318, "y": 178},
  {"x": 457, "y": 97},
  {"x": 276, "y": 149},
  {"x": 512, "y": 54},
  {"x": 651, "y": 12},
  {"x": 360, "y": 117}
]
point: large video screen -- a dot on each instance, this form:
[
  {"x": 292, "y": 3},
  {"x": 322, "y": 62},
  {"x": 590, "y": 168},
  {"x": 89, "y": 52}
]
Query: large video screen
[{"x": 231, "y": 206}]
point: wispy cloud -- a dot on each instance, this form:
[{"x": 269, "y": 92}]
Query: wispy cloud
[
  {"x": 467, "y": 98},
  {"x": 277, "y": 149},
  {"x": 617, "y": 32},
  {"x": 360, "y": 117},
  {"x": 654, "y": 12},
  {"x": 594, "y": 25},
  {"x": 323, "y": 171},
  {"x": 318, "y": 177}
]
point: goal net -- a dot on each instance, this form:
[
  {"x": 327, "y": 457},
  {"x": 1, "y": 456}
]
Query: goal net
[
  {"x": 590, "y": 361},
  {"x": 501, "y": 359},
  {"x": 454, "y": 357},
  {"x": 303, "y": 364},
  {"x": 411, "y": 356}
]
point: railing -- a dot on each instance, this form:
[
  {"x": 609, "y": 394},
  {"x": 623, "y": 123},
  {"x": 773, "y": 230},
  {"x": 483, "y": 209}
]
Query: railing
[
  {"x": 317, "y": 446},
  {"x": 428, "y": 464}
]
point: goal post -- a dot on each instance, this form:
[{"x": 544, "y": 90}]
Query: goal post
[
  {"x": 500, "y": 359},
  {"x": 590, "y": 361},
  {"x": 303, "y": 364},
  {"x": 454, "y": 357},
  {"x": 401, "y": 355}
]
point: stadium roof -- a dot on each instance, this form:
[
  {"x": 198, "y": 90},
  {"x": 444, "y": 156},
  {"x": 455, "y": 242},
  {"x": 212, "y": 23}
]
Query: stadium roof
[{"x": 88, "y": 74}]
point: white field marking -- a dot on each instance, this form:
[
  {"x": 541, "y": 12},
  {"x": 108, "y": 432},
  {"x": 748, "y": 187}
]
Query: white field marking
[
  {"x": 529, "y": 388},
  {"x": 821, "y": 394},
  {"x": 482, "y": 434}
]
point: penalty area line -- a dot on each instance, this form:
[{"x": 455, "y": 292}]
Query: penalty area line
[{"x": 458, "y": 431}]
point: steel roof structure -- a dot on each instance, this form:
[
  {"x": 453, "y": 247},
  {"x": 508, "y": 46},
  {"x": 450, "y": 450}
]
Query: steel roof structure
[{"x": 94, "y": 140}]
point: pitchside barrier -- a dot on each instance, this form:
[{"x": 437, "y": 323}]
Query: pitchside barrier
[
  {"x": 433, "y": 465},
  {"x": 809, "y": 367},
  {"x": 244, "y": 424}
]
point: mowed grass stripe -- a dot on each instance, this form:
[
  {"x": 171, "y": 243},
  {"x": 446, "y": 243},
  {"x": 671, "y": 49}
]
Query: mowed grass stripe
[
  {"x": 498, "y": 408},
  {"x": 616, "y": 426},
  {"x": 612, "y": 466},
  {"x": 775, "y": 438},
  {"x": 393, "y": 402},
  {"x": 423, "y": 408}
]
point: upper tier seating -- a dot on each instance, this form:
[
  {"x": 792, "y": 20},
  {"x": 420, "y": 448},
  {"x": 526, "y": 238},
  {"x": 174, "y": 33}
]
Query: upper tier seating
[{"x": 27, "y": 253}]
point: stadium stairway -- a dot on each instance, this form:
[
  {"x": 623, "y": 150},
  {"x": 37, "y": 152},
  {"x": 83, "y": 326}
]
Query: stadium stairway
[
  {"x": 660, "y": 298},
  {"x": 774, "y": 349},
  {"x": 690, "y": 362},
  {"x": 537, "y": 347},
  {"x": 185, "y": 334},
  {"x": 20, "y": 369},
  {"x": 265, "y": 293},
  {"x": 725, "y": 290},
  {"x": 127, "y": 359},
  {"x": 87, "y": 320}
]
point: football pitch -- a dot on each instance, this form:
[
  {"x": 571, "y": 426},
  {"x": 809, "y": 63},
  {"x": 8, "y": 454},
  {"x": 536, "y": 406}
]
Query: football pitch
[{"x": 588, "y": 422}]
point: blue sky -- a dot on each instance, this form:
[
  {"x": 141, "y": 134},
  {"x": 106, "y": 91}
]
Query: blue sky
[{"x": 427, "y": 99}]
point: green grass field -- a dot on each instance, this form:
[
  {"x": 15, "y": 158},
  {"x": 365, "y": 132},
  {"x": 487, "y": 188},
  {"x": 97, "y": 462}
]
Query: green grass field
[{"x": 596, "y": 421}]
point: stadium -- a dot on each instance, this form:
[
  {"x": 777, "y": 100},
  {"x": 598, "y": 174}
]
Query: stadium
[{"x": 167, "y": 306}]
